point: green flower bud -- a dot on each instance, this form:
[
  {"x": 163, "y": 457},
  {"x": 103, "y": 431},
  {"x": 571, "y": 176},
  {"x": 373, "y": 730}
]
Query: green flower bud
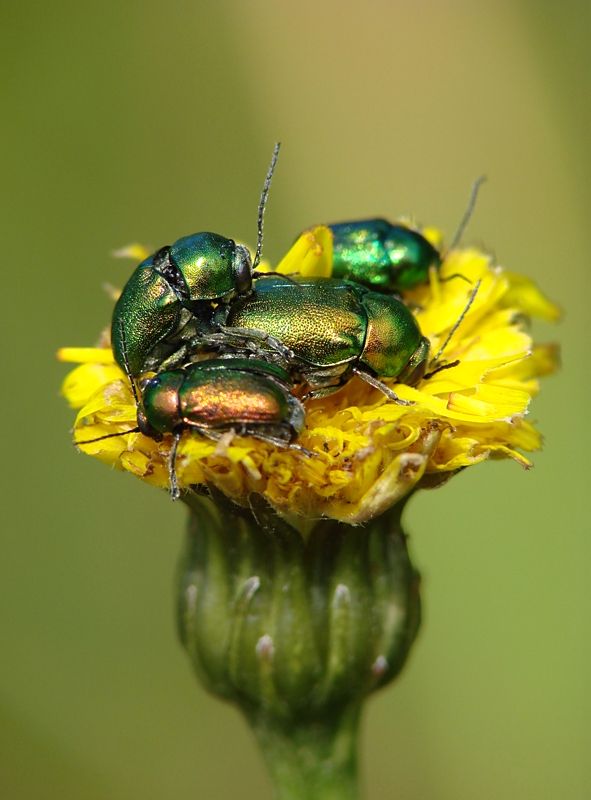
[{"x": 296, "y": 630}]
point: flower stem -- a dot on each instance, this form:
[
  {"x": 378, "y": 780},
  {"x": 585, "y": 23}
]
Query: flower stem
[
  {"x": 296, "y": 629},
  {"x": 311, "y": 761}
]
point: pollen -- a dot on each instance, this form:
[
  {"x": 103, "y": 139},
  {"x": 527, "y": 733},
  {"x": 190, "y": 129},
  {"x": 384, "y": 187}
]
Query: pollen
[{"x": 368, "y": 451}]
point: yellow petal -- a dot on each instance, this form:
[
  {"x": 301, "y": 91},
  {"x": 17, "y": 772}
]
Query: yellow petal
[
  {"x": 434, "y": 236},
  {"x": 310, "y": 256},
  {"x": 83, "y": 381},
  {"x": 524, "y": 295},
  {"x": 86, "y": 355},
  {"x": 136, "y": 252}
]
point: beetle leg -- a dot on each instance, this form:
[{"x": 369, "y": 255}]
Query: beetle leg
[
  {"x": 176, "y": 359},
  {"x": 223, "y": 440},
  {"x": 316, "y": 394},
  {"x": 441, "y": 368},
  {"x": 455, "y": 275},
  {"x": 247, "y": 335},
  {"x": 263, "y": 437},
  {"x": 324, "y": 382},
  {"x": 202, "y": 430},
  {"x": 303, "y": 450},
  {"x": 246, "y": 338},
  {"x": 174, "y": 487},
  {"x": 377, "y": 384},
  {"x": 286, "y": 275}
]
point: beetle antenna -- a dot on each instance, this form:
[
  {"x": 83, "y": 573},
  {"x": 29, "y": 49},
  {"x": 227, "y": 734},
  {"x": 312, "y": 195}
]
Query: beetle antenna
[
  {"x": 106, "y": 436},
  {"x": 441, "y": 368},
  {"x": 263, "y": 203},
  {"x": 126, "y": 363},
  {"x": 458, "y": 322},
  {"x": 468, "y": 212}
]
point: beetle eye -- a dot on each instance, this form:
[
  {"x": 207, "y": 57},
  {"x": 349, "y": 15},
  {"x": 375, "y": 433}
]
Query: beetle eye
[{"x": 242, "y": 270}]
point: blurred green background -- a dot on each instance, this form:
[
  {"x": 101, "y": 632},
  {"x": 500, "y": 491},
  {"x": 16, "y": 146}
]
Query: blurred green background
[{"x": 143, "y": 121}]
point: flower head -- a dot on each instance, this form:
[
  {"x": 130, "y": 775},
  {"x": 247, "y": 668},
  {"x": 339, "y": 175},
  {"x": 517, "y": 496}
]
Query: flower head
[{"x": 370, "y": 451}]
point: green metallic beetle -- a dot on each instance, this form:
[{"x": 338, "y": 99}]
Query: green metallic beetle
[
  {"x": 170, "y": 292},
  {"x": 325, "y": 330},
  {"x": 247, "y": 396},
  {"x": 169, "y": 295},
  {"x": 383, "y": 256},
  {"x": 389, "y": 257}
]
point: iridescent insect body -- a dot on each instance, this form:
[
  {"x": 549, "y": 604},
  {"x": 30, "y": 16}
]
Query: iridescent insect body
[
  {"x": 389, "y": 257},
  {"x": 326, "y": 330},
  {"x": 384, "y": 256},
  {"x": 245, "y": 396},
  {"x": 248, "y": 396},
  {"x": 169, "y": 295}
]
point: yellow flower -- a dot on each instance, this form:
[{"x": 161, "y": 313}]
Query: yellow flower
[{"x": 370, "y": 451}]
